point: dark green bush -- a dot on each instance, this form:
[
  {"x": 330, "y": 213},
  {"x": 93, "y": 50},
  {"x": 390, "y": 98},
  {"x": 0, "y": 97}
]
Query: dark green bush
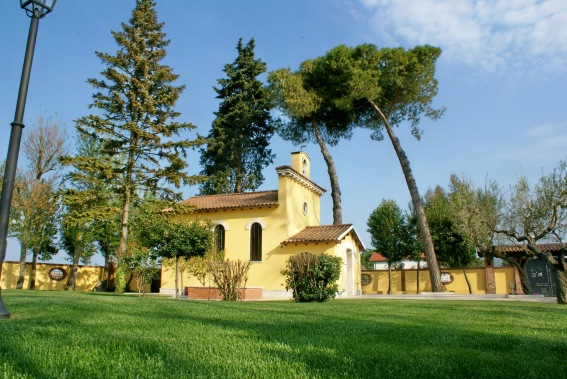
[{"x": 312, "y": 277}]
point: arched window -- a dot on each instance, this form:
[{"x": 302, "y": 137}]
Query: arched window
[
  {"x": 219, "y": 237},
  {"x": 256, "y": 242}
]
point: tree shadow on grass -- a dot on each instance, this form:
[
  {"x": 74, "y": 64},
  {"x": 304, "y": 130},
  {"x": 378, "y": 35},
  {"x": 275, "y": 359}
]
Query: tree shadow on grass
[{"x": 93, "y": 336}]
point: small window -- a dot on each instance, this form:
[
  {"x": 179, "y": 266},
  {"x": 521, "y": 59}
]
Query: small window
[
  {"x": 256, "y": 242},
  {"x": 305, "y": 209},
  {"x": 304, "y": 166},
  {"x": 219, "y": 238}
]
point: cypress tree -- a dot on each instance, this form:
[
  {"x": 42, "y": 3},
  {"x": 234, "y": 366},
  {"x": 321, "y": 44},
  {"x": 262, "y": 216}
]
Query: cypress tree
[{"x": 238, "y": 143}]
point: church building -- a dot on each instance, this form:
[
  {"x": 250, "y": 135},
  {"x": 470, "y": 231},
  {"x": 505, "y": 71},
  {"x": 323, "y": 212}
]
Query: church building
[{"x": 267, "y": 227}]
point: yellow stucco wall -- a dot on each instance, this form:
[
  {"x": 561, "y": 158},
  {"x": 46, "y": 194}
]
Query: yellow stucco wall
[
  {"x": 88, "y": 277},
  {"x": 267, "y": 274},
  {"x": 504, "y": 278},
  {"x": 298, "y": 207},
  {"x": 477, "y": 277},
  {"x": 292, "y": 197},
  {"x": 237, "y": 244}
]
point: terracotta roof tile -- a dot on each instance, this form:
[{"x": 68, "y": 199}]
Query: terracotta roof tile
[
  {"x": 377, "y": 257},
  {"x": 234, "y": 200},
  {"x": 542, "y": 246},
  {"x": 324, "y": 233}
]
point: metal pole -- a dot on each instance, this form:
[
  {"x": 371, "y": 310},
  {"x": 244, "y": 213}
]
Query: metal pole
[{"x": 14, "y": 149}]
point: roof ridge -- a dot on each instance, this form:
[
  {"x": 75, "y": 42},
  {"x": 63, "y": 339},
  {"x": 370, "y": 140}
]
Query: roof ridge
[
  {"x": 309, "y": 182},
  {"x": 232, "y": 194}
]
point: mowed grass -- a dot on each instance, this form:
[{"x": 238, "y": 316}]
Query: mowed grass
[{"x": 88, "y": 335}]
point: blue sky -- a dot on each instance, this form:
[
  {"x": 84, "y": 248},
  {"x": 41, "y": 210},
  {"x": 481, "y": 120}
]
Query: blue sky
[{"x": 502, "y": 77}]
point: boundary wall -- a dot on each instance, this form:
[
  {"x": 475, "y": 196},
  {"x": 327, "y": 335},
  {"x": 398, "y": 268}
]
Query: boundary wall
[
  {"x": 405, "y": 281},
  {"x": 88, "y": 277}
]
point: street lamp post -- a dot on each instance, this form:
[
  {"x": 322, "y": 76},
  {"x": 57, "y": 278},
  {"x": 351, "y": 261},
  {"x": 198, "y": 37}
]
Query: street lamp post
[{"x": 35, "y": 9}]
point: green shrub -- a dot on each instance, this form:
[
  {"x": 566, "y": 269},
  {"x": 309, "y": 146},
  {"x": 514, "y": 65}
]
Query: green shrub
[
  {"x": 312, "y": 277},
  {"x": 121, "y": 278}
]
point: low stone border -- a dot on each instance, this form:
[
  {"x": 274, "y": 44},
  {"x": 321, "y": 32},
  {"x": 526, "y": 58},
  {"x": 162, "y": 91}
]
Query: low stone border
[{"x": 213, "y": 293}]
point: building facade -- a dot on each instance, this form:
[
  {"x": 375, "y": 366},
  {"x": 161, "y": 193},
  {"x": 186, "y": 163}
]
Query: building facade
[{"x": 267, "y": 227}]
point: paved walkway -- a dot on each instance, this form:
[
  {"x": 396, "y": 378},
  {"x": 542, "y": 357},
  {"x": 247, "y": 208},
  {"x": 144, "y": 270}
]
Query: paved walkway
[{"x": 451, "y": 296}]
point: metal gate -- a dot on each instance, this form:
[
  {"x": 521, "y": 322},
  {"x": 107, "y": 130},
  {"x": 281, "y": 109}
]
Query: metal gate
[{"x": 541, "y": 277}]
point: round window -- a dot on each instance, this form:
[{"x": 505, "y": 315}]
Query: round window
[
  {"x": 365, "y": 279},
  {"x": 305, "y": 208},
  {"x": 446, "y": 278},
  {"x": 57, "y": 273}
]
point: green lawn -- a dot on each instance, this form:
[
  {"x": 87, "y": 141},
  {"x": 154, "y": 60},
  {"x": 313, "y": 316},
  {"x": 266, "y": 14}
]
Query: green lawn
[{"x": 88, "y": 335}]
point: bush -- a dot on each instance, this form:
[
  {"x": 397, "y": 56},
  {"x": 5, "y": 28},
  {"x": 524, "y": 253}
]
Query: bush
[
  {"x": 120, "y": 280},
  {"x": 199, "y": 266},
  {"x": 230, "y": 277},
  {"x": 142, "y": 265},
  {"x": 312, "y": 277}
]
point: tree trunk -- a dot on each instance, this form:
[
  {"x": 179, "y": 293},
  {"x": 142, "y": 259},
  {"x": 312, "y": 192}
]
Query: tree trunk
[
  {"x": 429, "y": 251},
  {"x": 127, "y": 196},
  {"x": 22, "y": 273},
  {"x": 559, "y": 268},
  {"x": 181, "y": 280},
  {"x": 467, "y": 280},
  {"x": 418, "y": 269},
  {"x": 561, "y": 286},
  {"x": 389, "y": 278},
  {"x": 176, "y": 277},
  {"x": 74, "y": 267},
  {"x": 335, "y": 189},
  {"x": 107, "y": 264},
  {"x": 524, "y": 278},
  {"x": 33, "y": 270},
  {"x": 124, "y": 222}
]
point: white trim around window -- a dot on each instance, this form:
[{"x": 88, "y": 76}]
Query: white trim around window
[
  {"x": 258, "y": 220},
  {"x": 223, "y": 223}
]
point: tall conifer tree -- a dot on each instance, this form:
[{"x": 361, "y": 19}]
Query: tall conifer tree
[
  {"x": 238, "y": 142},
  {"x": 136, "y": 99}
]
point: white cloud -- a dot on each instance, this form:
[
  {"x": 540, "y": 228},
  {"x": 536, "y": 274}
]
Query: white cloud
[
  {"x": 494, "y": 35},
  {"x": 542, "y": 143}
]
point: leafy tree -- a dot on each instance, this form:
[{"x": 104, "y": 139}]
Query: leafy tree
[
  {"x": 91, "y": 200},
  {"x": 168, "y": 236},
  {"x": 479, "y": 213},
  {"x": 452, "y": 247},
  {"x": 365, "y": 259},
  {"x": 391, "y": 234},
  {"x": 312, "y": 277},
  {"x": 535, "y": 214},
  {"x": 35, "y": 217},
  {"x": 198, "y": 266},
  {"x": 142, "y": 265},
  {"x": 313, "y": 114},
  {"x": 34, "y": 214},
  {"x": 136, "y": 99},
  {"x": 79, "y": 243},
  {"x": 237, "y": 144},
  {"x": 388, "y": 86},
  {"x": 382, "y": 88},
  {"x": 400, "y": 86}
]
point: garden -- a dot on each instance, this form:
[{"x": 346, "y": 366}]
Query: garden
[{"x": 102, "y": 335}]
